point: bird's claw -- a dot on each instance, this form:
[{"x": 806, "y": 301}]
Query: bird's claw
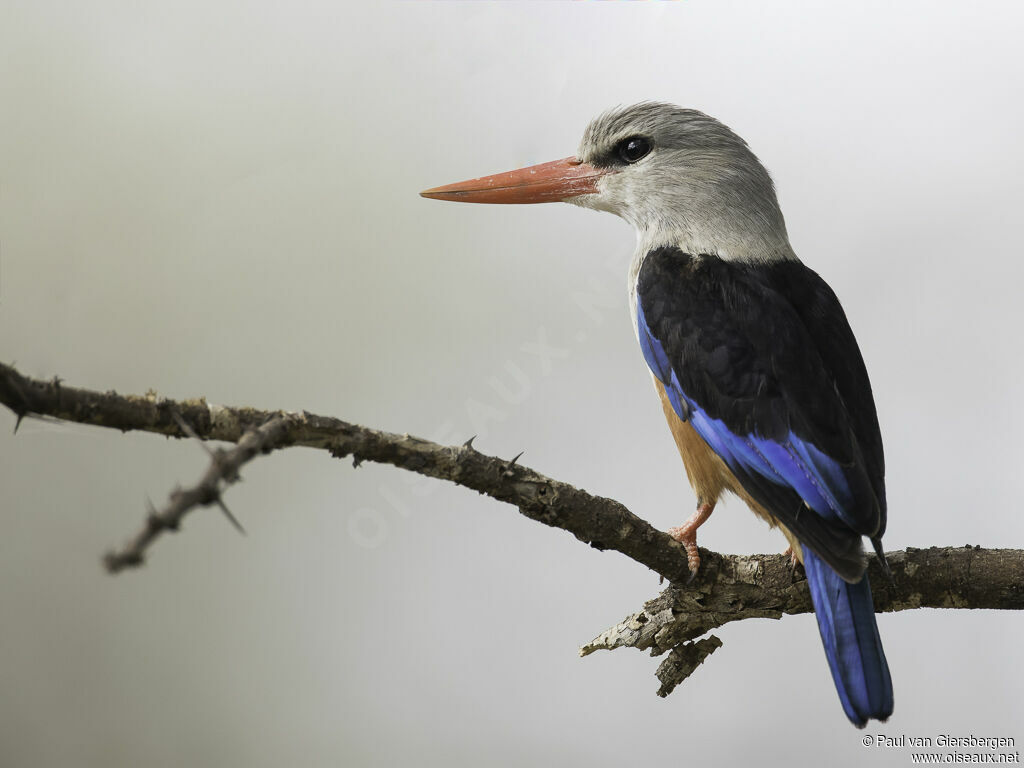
[
  {"x": 687, "y": 536},
  {"x": 794, "y": 561}
]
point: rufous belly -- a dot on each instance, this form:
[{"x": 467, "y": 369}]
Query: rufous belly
[{"x": 709, "y": 476}]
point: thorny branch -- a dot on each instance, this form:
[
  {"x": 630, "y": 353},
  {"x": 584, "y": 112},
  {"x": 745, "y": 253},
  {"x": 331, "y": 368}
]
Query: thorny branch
[
  {"x": 602, "y": 523},
  {"x": 224, "y": 466},
  {"x": 728, "y": 587}
]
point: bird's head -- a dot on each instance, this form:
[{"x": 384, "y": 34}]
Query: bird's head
[{"x": 678, "y": 176}]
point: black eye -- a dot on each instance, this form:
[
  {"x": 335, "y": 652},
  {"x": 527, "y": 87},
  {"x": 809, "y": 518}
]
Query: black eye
[{"x": 632, "y": 149}]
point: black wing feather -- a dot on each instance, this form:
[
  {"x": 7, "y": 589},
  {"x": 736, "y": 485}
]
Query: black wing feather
[{"x": 766, "y": 350}]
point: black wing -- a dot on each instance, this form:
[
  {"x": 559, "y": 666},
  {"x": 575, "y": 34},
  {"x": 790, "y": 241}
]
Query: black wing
[{"x": 761, "y": 359}]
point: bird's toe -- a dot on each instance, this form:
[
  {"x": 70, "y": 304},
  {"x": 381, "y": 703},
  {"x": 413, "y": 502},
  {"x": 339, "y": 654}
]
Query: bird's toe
[{"x": 687, "y": 536}]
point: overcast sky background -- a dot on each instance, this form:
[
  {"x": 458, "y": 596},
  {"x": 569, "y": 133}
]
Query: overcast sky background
[{"x": 220, "y": 199}]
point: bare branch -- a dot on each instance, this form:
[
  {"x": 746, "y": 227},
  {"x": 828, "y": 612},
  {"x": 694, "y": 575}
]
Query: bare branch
[
  {"x": 733, "y": 587},
  {"x": 603, "y": 523},
  {"x": 682, "y": 661},
  {"x": 728, "y": 587},
  {"x": 224, "y": 466}
]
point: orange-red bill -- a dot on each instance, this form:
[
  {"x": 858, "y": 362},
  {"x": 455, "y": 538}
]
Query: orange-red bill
[{"x": 544, "y": 183}]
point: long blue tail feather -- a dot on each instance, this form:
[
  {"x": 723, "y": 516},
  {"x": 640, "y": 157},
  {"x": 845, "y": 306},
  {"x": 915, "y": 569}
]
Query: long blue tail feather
[{"x": 846, "y": 619}]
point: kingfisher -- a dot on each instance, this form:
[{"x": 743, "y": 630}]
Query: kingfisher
[{"x": 759, "y": 374}]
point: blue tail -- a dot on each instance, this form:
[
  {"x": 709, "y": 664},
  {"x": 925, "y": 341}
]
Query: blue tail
[{"x": 846, "y": 618}]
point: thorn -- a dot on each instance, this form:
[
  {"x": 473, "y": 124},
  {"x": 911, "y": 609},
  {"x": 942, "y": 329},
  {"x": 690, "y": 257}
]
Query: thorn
[
  {"x": 231, "y": 517},
  {"x": 228, "y": 473},
  {"x": 156, "y": 522},
  {"x": 356, "y": 461},
  {"x": 18, "y": 422},
  {"x": 186, "y": 428},
  {"x": 507, "y": 469},
  {"x": 115, "y": 563},
  {"x": 886, "y": 571},
  {"x": 182, "y": 425},
  {"x": 469, "y": 443}
]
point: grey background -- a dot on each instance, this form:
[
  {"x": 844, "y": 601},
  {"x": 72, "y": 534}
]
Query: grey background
[{"x": 220, "y": 200}]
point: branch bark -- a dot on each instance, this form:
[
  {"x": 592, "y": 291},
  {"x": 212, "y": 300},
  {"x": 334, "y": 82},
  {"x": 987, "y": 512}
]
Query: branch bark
[
  {"x": 223, "y": 470},
  {"x": 728, "y": 587},
  {"x": 600, "y": 522},
  {"x": 734, "y": 587}
]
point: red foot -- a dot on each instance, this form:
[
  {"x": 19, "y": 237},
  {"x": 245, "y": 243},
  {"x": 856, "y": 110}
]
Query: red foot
[{"x": 686, "y": 534}]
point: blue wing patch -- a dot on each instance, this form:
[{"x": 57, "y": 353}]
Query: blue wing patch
[
  {"x": 795, "y": 463},
  {"x": 658, "y": 362}
]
